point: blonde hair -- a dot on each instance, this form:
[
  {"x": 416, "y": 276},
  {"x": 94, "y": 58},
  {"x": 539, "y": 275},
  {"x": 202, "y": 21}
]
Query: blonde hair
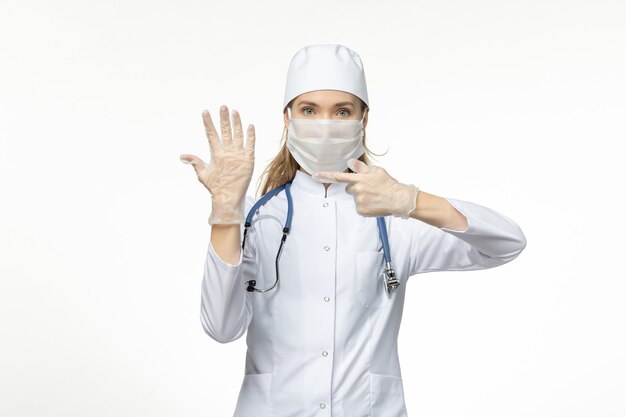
[{"x": 283, "y": 167}]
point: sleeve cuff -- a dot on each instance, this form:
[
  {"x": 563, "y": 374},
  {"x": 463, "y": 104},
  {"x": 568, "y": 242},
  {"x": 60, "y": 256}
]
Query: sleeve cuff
[
  {"x": 223, "y": 265},
  {"x": 455, "y": 204}
]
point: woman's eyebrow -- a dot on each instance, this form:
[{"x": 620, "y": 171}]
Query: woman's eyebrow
[{"x": 344, "y": 103}]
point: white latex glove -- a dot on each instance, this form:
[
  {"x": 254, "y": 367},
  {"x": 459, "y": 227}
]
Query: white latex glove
[
  {"x": 228, "y": 175},
  {"x": 375, "y": 192}
]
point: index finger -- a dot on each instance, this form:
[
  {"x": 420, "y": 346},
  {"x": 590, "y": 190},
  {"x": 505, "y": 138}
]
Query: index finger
[
  {"x": 339, "y": 176},
  {"x": 210, "y": 131}
]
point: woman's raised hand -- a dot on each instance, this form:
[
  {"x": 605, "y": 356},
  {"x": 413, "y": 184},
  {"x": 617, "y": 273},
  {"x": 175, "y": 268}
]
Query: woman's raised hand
[{"x": 228, "y": 175}]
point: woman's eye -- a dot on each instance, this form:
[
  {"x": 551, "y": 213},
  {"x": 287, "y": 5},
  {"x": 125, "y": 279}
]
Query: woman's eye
[{"x": 309, "y": 111}]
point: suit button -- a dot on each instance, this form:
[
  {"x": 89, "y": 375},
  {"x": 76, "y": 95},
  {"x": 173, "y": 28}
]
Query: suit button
[
  {"x": 324, "y": 353},
  {"x": 327, "y": 299},
  {"x": 322, "y": 405},
  {"x": 326, "y": 248},
  {"x": 325, "y": 204}
]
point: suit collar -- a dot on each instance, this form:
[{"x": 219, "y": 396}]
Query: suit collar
[{"x": 304, "y": 182}]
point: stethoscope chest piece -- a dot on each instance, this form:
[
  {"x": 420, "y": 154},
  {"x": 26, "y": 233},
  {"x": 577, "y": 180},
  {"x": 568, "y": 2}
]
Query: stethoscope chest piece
[{"x": 390, "y": 282}]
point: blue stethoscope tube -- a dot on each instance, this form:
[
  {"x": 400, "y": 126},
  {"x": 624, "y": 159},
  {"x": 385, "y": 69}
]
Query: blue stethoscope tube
[{"x": 390, "y": 282}]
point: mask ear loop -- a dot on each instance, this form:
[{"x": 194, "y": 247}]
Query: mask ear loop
[{"x": 362, "y": 119}]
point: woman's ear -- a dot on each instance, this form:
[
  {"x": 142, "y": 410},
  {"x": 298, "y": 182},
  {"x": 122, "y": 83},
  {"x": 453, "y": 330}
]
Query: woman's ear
[
  {"x": 367, "y": 112},
  {"x": 286, "y": 118}
]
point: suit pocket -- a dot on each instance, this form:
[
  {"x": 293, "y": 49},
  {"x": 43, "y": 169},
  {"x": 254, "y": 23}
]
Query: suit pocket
[
  {"x": 369, "y": 280},
  {"x": 254, "y": 396},
  {"x": 387, "y": 396}
]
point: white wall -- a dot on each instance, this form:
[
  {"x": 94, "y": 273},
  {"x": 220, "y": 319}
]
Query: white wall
[{"x": 515, "y": 105}]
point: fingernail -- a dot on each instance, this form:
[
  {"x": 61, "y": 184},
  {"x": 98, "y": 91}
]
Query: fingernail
[{"x": 184, "y": 161}]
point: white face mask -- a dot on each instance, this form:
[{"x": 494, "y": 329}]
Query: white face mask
[{"x": 325, "y": 144}]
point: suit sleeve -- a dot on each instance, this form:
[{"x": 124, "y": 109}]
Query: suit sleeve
[
  {"x": 225, "y": 305},
  {"x": 490, "y": 240}
]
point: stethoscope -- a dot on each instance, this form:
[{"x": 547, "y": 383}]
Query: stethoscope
[{"x": 390, "y": 282}]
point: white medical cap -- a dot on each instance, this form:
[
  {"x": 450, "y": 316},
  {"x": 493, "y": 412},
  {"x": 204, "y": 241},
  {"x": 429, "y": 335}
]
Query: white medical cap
[{"x": 325, "y": 67}]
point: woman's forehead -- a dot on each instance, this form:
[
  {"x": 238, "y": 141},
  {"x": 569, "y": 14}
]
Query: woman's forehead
[{"x": 327, "y": 97}]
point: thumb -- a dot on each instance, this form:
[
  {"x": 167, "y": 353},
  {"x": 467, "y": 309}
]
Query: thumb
[
  {"x": 357, "y": 166},
  {"x": 196, "y": 162}
]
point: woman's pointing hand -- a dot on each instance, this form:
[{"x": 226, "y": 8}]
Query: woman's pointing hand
[{"x": 375, "y": 192}]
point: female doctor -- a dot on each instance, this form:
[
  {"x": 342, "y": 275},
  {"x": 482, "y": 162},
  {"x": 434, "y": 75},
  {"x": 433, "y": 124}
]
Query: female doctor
[{"x": 317, "y": 275}]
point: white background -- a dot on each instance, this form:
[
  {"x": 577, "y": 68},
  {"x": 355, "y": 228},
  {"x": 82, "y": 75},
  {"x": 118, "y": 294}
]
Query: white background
[{"x": 515, "y": 105}]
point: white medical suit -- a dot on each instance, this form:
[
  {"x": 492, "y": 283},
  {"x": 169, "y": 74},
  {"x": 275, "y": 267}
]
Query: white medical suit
[{"x": 323, "y": 342}]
